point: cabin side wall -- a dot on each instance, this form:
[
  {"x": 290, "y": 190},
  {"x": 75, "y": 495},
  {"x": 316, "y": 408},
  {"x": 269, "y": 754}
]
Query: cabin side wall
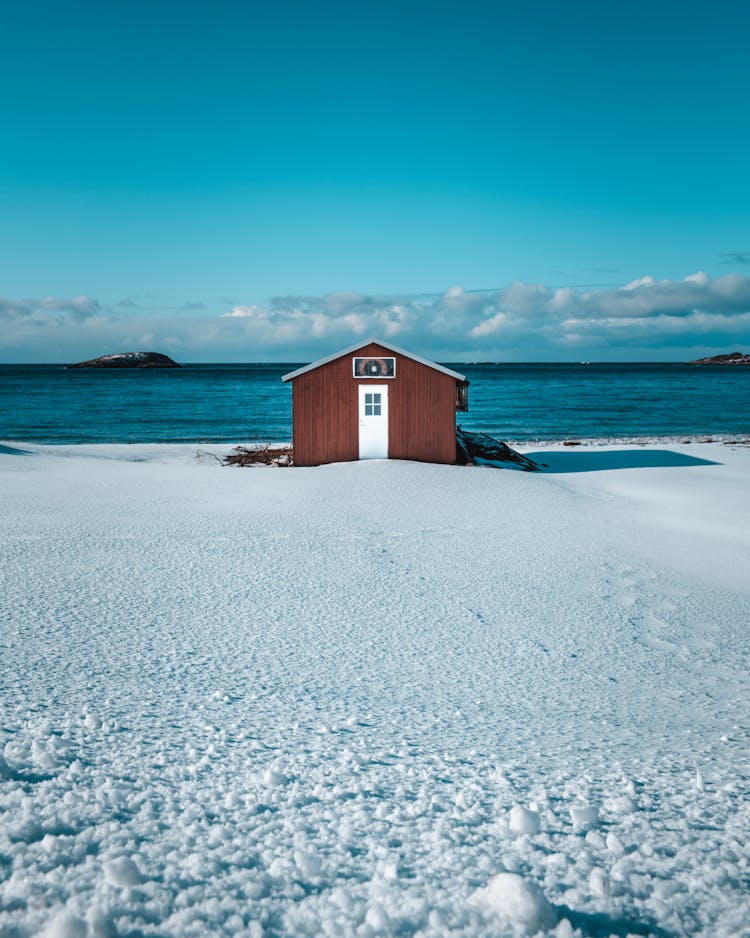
[
  {"x": 325, "y": 423},
  {"x": 421, "y": 411},
  {"x": 422, "y": 424}
]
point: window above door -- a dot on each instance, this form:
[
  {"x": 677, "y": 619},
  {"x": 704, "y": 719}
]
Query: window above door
[{"x": 374, "y": 367}]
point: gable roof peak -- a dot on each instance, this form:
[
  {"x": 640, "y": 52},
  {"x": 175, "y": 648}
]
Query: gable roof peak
[{"x": 372, "y": 341}]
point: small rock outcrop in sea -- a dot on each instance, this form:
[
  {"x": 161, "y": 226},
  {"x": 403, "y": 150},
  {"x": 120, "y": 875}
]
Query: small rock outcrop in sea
[
  {"x": 128, "y": 360},
  {"x": 731, "y": 358}
]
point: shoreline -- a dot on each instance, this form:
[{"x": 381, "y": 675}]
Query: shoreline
[{"x": 726, "y": 439}]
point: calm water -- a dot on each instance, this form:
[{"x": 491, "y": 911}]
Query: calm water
[{"x": 45, "y": 403}]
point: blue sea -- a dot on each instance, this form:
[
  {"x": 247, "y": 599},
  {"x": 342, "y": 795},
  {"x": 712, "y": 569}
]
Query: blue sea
[{"x": 248, "y": 402}]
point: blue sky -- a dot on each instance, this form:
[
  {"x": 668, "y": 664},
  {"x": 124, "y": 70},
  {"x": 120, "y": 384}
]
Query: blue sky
[{"x": 247, "y": 181}]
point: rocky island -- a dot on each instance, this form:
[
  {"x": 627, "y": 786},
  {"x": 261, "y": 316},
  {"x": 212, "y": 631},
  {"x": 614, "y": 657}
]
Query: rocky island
[
  {"x": 128, "y": 360},
  {"x": 730, "y": 358}
]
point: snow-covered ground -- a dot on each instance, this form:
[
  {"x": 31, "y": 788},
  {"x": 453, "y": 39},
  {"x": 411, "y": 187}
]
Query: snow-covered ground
[{"x": 375, "y": 698}]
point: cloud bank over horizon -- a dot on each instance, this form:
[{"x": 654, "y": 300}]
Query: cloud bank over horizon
[{"x": 521, "y": 321}]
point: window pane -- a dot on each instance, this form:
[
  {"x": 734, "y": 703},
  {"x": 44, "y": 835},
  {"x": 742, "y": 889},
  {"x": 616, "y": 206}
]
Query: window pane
[
  {"x": 376, "y": 398},
  {"x": 368, "y": 398},
  {"x": 376, "y": 409},
  {"x": 368, "y": 410}
]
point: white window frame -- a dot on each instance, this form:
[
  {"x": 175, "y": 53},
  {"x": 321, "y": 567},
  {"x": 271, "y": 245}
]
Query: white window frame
[
  {"x": 373, "y": 377},
  {"x": 373, "y": 403}
]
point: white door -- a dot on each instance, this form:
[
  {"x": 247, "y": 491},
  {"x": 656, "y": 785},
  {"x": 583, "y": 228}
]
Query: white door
[{"x": 373, "y": 421}]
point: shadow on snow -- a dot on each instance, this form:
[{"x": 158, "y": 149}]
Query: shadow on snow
[
  {"x": 12, "y": 451},
  {"x": 599, "y": 925},
  {"x": 587, "y": 461}
]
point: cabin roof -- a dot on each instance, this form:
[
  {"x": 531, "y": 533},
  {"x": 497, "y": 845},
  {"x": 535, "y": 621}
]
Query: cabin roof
[{"x": 353, "y": 348}]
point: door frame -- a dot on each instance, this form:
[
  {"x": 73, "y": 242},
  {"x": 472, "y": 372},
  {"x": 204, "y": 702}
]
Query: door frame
[{"x": 383, "y": 437}]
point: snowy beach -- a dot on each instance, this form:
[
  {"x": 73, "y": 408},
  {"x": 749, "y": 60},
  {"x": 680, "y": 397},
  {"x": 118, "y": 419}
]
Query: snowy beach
[{"x": 341, "y": 700}]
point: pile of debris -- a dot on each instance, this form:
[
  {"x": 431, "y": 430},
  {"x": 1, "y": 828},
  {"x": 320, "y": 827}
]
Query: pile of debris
[
  {"x": 479, "y": 449},
  {"x": 264, "y": 454},
  {"x": 472, "y": 449}
]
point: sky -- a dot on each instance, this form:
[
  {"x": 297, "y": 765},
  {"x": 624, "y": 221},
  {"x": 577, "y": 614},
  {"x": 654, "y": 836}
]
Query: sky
[{"x": 246, "y": 181}]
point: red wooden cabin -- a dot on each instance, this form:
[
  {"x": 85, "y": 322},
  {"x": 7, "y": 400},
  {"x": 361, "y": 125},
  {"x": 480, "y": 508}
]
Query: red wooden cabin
[{"x": 375, "y": 401}]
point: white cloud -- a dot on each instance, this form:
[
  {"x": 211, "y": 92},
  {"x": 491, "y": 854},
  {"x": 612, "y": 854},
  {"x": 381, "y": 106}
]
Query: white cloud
[
  {"x": 641, "y": 282},
  {"x": 641, "y": 308},
  {"x": 14, "y": 309},
  {"x": 490, "y": 326},
  {"x": 701, "y": 278},
  {"x": 246, "y": 312},
  {"x": 520, "y": 320},
  {"x": 81, "y": 307}
]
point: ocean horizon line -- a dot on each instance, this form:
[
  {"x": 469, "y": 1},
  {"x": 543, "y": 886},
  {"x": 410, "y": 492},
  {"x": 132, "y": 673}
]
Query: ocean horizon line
[{"x": 444, "y": 361}]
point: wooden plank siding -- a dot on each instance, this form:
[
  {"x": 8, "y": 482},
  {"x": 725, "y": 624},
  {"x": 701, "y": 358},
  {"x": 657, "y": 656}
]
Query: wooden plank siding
[{"x": 421, "y": 411}]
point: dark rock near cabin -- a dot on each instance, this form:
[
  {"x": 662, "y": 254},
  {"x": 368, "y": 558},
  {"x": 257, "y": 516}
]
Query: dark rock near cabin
[
  {"x": 484, "y": 450},
  {"x": 128, "y": 360},
  {"x": 731, "y": 358}
]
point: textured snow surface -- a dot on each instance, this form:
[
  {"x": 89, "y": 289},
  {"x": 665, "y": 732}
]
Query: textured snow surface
[{"x": 374, "y": 699}]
